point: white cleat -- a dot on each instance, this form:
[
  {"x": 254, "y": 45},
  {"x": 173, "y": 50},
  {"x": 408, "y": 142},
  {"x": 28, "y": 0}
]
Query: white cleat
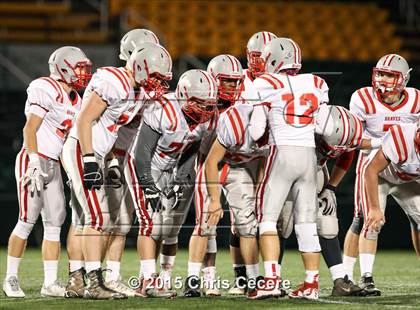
[
  {"x": 11, "y": 288},
  {"x": 120, "y": 287},
  {"x": 55, "y": 289},
  {"x": 213, "y": 292},
  {"x": 236, "y": 291}
]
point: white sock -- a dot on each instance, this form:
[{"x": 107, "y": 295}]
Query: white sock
[
  {"x": 148, "y": 267},
  {"x": 349, "y": 263},
  {"x": 194, "y": 269},
  {"x": 337, "y": 271},
  {"x": 167, "y": 261},
  {"x": 311, "y": 276},
  {"x": 12, "y": 266},
  {"x": 92, "y": 266},
  {"x": 252, "y": 271},
  {"x": 271, "y": 269},
  {"x": 113, "y": 274},
  {"x": 209, "y": 272},
  {"x": 50, "y": 271},
  {"x": 366, "y": 263},
  {"x": 76, "y": 265}
]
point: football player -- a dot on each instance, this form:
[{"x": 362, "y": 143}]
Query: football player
[
  {"x": 289, "y": 103},
  {"x": 168, "y": 143},
  {"x": 387, "y": 102},
  {"x": 227, "y": 71},
  {"x": 120, "y": 170},
  {"x": 256, "y": 67},
  {"x": 50, "y": 109},
  {"x": 111, "y": 100}
]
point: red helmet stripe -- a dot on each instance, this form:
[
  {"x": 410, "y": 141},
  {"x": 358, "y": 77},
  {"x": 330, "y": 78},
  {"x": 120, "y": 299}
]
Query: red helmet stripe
[
  {"x": 345, "y": 121},
  {"x": 211, "y": 89},
  {"x": 390, "y": 60},
  {"x": 231, "y": 62},
  {"x": 263, "y": 34}
]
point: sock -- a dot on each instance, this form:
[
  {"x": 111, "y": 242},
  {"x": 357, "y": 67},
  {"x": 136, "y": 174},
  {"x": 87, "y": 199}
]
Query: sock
[
  {"x": 166, "y": 265},
  {"x": 12, "y": 266},
  {"x": 113, "y": 274},
  {"x": 92, "y": 266},
  {"x": 271, "y": 269},
  {"x": 239, "y": 270},
  {"x": 253, "y": 271},
  {"x": 76, "y": 265},
  {"x": 311, "y": 276},
  {"x": 194, "y": 269},
  {"x": 209, "y": 277},
  {"x": 337, "y": 271},
  {"x": 148, "y": 267},
  {"x": 50, "y": 272},
  {"x": 366, "y": 263},
  {"x": 349, "y": 263},
  {"x": 331, "y": 251}
]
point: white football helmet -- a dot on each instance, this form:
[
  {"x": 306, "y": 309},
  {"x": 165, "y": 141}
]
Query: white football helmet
[
  {"x": 151, "y": 66},
  {"x": 134, "y": 38},
  {"x": 282, "y": 54},
  {"x": 254, "y": 50},
  {"x": 69, "y": 64},
  {"x": 337, "y": 131},
  {"x": 224, "y": 67},
  {"x": 392, "y": 64},
  {"x": 197, "y": 93}
]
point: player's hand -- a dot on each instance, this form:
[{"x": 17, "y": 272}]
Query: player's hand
[
  {"x": 375, "y": 219},
  {"x": 175, "y": 191},
  {"x": 34, "y": 177},
  {"x": 152, "y": 197},
  {"x": 92, "y": 174},
  {"x": 115, "y": 176},
  {"x": 214, "y": 213},
  {"x": 328, "y": 201}
]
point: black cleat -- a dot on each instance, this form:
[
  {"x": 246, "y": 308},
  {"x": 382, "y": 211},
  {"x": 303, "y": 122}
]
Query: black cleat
[
  {"x": 345, "y": 287},
  {"x": 368, "y": 285},
  {"x": 96, "y": 289},
  {"x": 192, "y": 287}
]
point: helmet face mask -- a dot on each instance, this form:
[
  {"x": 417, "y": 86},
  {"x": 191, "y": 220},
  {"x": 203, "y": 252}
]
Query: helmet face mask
[
  {"x": 198, "y": 110},
  {"x": 388, "y": 83},
  {"x": 83, "y": 74},
  {"x": 256, "y": 64},
  {"x": 254, "y": 48},
  {"x": 229, "y": 88},
  {"x": 155, "y": 85}
]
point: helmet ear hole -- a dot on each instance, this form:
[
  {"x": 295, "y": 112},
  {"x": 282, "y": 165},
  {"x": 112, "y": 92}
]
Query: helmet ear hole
[
  {"x": 273, "y": 62},
  {"x": 64, "y": 70},
  {"x": 201, "y": 80}
]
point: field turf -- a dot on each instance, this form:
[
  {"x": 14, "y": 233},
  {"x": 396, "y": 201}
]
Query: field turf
[{"x": 397, "y": 273}]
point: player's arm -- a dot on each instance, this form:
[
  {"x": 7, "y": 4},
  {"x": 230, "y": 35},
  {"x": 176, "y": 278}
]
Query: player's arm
[
  {"x": 33, "y": 122},
  {"x": 91, "y": 111},
  {"x": 341, "y": 166},
  {"x": 258, "y": 122},
  {"x": 375, "y": 217},
  {"x": 215, "y": 211},
  {"x": 369, "y": 144}
]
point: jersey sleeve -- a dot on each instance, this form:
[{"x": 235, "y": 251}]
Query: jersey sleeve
[
  {"x": 40, "y": 98},
  {"x": 107, "y": 85},
  {"x": 154, "y": 118},
  {"x": 323, "y": 89},
  {"x": 225, "y": 132},
  {"x": 394, "y": 145},
  {"x": 356, "y": 106}
]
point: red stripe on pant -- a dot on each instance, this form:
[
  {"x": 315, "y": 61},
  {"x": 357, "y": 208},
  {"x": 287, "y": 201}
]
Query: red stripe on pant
[
  {"x": 261, "y": 187},
  {"x": 23, "y": 204},
  {"x": 19, "y": 182},
  {"x": 80, "y": 169},
  {"x": 357, "y": 201},
  {"x": 98, "y": 208},
  {"x": 199, "y": 201}
]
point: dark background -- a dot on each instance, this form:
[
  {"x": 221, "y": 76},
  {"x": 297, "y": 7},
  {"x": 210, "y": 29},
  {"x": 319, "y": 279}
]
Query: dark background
[{"x": 30, "y": 56}]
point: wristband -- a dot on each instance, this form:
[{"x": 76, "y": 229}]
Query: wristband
[
  {"x": 375, "y": 143},
  {"x": 331, "y": 187},
  {"x": 34, "y": 158},
  {"x": 89, "y": 158}
]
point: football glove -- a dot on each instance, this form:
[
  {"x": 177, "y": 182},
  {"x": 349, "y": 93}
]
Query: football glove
[
  {"x": 115, "y": 176},
  {"x": 34, "y": 177},
  {"x": 92, "y": 174},
  {"x": 175, "y": 191},
  {"x": 328, "y": 200},
  {"x": 152, "y": 197}
]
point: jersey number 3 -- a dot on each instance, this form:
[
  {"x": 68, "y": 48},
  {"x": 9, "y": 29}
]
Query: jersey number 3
[{"x": 293, "y": 117}]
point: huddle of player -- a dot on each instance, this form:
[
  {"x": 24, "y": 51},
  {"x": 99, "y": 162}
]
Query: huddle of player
[{"x": 259, "y": 137}]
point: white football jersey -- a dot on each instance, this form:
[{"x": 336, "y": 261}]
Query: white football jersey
[
  {"x": 289, "y": 104},
  {"x": 167, "y": 118},
  {"x": 233, "y": 134},
  {"x": 114, "y": 87},
  {"x": 249, "y": 93},
  {"x": 48, "y": 100},
  {"x": 378, "y": 117},
  {"x": 398, "y": 147}
]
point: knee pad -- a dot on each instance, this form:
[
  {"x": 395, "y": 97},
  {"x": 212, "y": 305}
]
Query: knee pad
[
  {"x": 212, "y": 245},
  {"x": 233, "y": 240},
  {"x": 327, "y": 226},
  {"x": 266, "y": 227},
  {"x": 356, "y": 225},
  {"x": 307, "y": 237},
  {"x": 371, "y": 234},
  {"x": 22, "y": 229},
  {"x": 170, "y": 240},
  {"x": 52, "y": 233}
]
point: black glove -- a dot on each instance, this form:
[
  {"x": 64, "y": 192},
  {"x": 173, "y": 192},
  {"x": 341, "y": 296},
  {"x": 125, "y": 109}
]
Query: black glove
[
  {"x": 152, "y": 197},
  {"x": 115, "y": 176},
  {"x": 92, "y": 174},
  {"x": 176, "y": 190}
]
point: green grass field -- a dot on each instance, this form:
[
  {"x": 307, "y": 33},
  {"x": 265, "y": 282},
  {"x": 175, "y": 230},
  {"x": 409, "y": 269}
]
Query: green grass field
[{"x": 397, "y": 273}]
